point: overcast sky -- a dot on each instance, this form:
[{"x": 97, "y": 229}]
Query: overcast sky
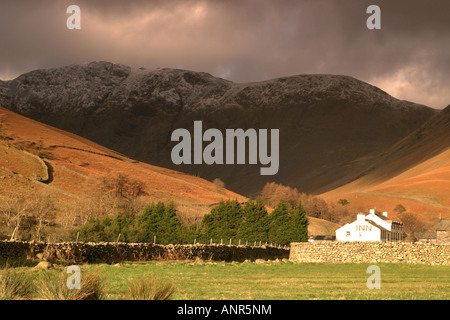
[{"x": 241, "y": 40}]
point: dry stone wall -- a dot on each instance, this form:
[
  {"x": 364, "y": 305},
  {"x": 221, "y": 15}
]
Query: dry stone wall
[
  {"x": 443, "y": 236},
  {"x": 371, "y": 252},
  {"x": 116, "y": 252}
]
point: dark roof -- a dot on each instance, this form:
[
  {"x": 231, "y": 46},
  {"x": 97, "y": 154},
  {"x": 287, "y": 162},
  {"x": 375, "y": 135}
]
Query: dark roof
[
  {"x": 380, "y": 215},
  {"x": 377, "y": 225},
  {"x": 444, "y": 225}
]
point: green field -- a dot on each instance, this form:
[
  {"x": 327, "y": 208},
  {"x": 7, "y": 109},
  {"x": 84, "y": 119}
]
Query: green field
[{"x": 272, "y": 280}]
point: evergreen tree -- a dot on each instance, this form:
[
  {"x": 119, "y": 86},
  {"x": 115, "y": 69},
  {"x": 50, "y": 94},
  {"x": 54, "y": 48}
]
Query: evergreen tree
[
  {"x": 189, "y": 233},
  {"x": 157, "y": 220},
  {"x": 120, "y": 225},
  {"x": 91, "y": 231},
  {"x": 170, "y": 226},
  {"x": 300, "y": 223},
  {"x": 144, "y": 227},
  {"x": 280, "y": 225},
  {"x": 255, "y": 224},
  {"x": 108, "y": 230},
  {"x": 288, "y": 226},
  {"x": 223, "y": 221}
]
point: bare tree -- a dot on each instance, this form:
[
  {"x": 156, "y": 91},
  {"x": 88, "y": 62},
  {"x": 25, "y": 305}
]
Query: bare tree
[
  {"x": 220, "y": 185},
  {"x": 42, "y": 208},
  {"x": 30, "y": 212},
  {"x": 411, "y": 224},
  {"x": 13, "y": 209},
  {"x": 115, "y": 194},
  {"x": 273, "y": 192},
  {"x": 315, "y": 206},
  {"x": 123, "y": 186}
]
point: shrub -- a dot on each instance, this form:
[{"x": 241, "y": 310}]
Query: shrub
[
  {"x": 54, "y": 287},
  {"x": 147, "y": 288}
]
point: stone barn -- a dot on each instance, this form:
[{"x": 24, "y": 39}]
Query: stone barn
[{"x": 443, "y": 232}]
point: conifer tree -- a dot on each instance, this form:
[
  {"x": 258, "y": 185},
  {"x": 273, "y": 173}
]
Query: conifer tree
[
  {"x": 280, "y": 225},
  {"x": 300, "y": 223},
  {"x": 90, "y": 231},
  {"x": 156, "y": 220},
  {"x": 170, "y": 226},
  {"x": 223, "y": 221},
  {"x": 145, "y": 227},
  {"x": 119, "y": 225},
  {"x": 255, "y": 224}
]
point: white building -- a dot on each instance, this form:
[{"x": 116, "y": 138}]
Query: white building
[{"x": 371, "y": 227}]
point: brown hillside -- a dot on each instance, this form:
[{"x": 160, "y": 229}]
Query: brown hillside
[
  {"x": 29, "y": 149},
  {"x": 414, "y": 173},
  {"x": 77, "y": 164}
]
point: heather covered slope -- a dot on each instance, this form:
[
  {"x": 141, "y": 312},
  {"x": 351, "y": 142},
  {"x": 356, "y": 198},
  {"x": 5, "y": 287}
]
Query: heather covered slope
[{"x": 331, "y": 127}]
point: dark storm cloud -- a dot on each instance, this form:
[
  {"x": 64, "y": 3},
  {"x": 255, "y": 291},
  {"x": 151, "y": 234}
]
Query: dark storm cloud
[{"x": 242, "y": 40}]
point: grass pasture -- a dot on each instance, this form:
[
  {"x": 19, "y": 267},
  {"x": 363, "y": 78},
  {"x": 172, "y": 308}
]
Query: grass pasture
[{"x": 198, "y": 280}]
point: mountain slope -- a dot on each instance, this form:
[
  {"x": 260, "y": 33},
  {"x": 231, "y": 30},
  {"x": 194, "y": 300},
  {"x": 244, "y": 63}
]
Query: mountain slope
[
  {"x": 331, "y": 127},
  {"x": 29, "y": 150},
  {"x": 37, "y": 157},
  {"x": 415, "y": 172}
]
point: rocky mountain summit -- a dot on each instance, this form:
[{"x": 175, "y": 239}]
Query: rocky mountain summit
[
  {"x": 101, "y": 86},
  {"x": 104, "y": 86},
  {"x": 331, "y": 126}
]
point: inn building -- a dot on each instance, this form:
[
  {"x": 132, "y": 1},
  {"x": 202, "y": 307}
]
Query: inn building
[{"x": 372, "y": 227}]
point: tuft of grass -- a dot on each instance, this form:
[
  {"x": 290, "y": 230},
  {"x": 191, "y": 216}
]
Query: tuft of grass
[
  {"x": 15, "y": 286},
  {"x": 54, "y": 287},
  {"x": 147, "y": 288}
]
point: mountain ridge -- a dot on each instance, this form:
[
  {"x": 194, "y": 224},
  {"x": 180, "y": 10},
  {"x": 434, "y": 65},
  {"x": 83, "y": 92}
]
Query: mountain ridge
[
  {"x": 331, "y": 126},
  {"x": 181, "y": 82}
]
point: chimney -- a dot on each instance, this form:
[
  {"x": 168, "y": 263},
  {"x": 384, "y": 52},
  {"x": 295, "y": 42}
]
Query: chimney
[
  {"x": 372, "y": 211},
  {"x": 385, "y": 214},
  {"x": 360, "y": 217}
]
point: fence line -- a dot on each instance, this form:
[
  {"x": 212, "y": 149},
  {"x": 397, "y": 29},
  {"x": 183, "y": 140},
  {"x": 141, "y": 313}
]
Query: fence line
[{"x": 236, "y": 242}]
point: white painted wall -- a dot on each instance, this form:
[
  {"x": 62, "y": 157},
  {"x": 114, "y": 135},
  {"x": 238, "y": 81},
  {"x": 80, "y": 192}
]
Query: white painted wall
[
  {"x": 359, "y": 230},
  {"x": 363, "y": 230}
]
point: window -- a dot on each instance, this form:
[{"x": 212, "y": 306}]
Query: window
[{"x": 347, "y": 233}]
